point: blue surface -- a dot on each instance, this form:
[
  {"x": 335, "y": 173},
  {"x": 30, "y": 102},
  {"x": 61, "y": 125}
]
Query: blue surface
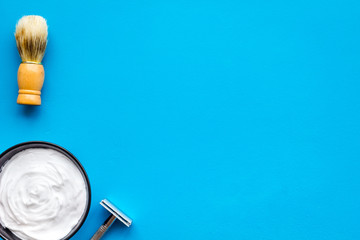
[{"x": 201, "y": 119}]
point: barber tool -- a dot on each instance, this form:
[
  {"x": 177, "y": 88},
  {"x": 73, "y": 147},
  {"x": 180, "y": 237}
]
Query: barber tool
[
  {"x": 115, "y": 214},
  {"x": 54, "y": 173},
  {"x": 31, "y": 40}
]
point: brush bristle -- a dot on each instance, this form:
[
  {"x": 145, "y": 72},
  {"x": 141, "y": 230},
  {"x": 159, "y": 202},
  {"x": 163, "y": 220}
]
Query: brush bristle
[{"x": 31, "y": 38}]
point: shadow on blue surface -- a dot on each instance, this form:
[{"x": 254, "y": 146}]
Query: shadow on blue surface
[{"x": 30, "y": 111}]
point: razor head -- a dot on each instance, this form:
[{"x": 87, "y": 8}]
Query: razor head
[{"x": 116, "y": 212}]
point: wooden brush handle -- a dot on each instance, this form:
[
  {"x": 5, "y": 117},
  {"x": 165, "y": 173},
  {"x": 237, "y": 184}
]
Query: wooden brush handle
[{"x": 30, "y": 80}]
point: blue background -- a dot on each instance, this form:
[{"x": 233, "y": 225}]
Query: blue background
[{"x": 200, "y": 119}]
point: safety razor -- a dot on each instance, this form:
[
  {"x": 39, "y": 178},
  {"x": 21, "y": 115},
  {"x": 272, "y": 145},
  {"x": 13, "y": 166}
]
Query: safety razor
[{"x": 115, "y": 214}]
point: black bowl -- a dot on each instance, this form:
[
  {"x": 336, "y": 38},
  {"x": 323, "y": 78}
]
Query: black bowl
[{"x": 9, "y": 153}]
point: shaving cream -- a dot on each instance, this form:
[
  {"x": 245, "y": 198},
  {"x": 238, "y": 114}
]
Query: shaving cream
[{"x": 43, "y": 195}]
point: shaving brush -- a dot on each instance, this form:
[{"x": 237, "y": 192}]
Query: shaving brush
[{"x": 31, "y": 40}]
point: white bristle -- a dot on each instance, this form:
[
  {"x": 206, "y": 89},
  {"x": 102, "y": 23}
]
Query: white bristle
[{"x": 31, "y": 38}]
